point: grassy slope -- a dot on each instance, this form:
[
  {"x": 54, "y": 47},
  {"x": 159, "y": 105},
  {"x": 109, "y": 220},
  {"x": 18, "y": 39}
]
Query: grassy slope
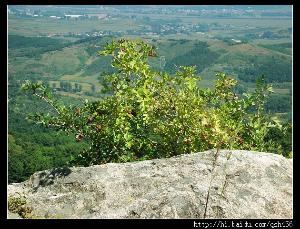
[{"x": 73, "y": 63}]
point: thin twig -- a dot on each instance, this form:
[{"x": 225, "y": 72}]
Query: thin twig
[{"x": 48, "y": 101}]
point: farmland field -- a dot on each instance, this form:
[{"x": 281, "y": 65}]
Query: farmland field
[{"x": 33, "y": 27}]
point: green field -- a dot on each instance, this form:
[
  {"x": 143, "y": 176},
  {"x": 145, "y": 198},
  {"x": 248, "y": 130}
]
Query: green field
[{"x": 45, "y": 26}]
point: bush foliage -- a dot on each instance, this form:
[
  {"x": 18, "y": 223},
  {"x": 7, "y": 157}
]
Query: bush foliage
[{"x": 152, "y": 114}]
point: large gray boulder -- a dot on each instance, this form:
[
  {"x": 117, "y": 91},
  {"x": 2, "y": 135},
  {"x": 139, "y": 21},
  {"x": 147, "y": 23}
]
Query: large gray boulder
[{"x": 231, "y": 184}]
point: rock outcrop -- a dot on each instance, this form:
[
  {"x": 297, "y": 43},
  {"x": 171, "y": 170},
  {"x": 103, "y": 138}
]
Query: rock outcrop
[{"x": 233, "y": 184}]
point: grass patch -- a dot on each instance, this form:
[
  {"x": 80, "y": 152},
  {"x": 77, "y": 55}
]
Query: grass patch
[
  {"x": 85, "y": 86},
  {"x": 285, "y": 48},
  {"x": 81, "y": 97},
  {"x": 285, "y": 91},
  {"x": 19, "y": 206}
]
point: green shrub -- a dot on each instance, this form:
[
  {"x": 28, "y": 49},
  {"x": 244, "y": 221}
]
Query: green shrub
[{"x": 151, "y": 114}]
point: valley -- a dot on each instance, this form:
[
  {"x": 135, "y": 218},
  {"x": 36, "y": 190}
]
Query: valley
[{"x": 61, "y": 52}]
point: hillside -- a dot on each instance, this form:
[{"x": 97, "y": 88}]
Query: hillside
[
  {"x": 45, "y": 45},
  {"x": 79, "y": 77},
  {"x": 244, "y": 61}
]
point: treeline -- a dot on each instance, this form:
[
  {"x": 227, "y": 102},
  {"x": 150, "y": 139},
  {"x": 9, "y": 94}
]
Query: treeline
[
  {"x": 275, "y": 69},
  {"x": 32, "y": 148},
  {"x": 16, "y": 41},
  {"x": 34, "y": 46},
  {"x": 279, "y": 103},
  {"x": 67, "y": 86},
  {"x": 200, "y": 55}
]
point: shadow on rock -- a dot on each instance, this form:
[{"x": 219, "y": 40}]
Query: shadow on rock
[{"x": 44, "y": 178}]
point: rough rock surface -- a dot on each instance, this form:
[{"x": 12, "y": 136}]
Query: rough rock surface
[{"x": 241, "y": 184}]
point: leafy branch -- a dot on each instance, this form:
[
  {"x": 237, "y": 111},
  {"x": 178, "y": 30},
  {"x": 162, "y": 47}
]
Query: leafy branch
[{"x": 153, "y": 114}]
